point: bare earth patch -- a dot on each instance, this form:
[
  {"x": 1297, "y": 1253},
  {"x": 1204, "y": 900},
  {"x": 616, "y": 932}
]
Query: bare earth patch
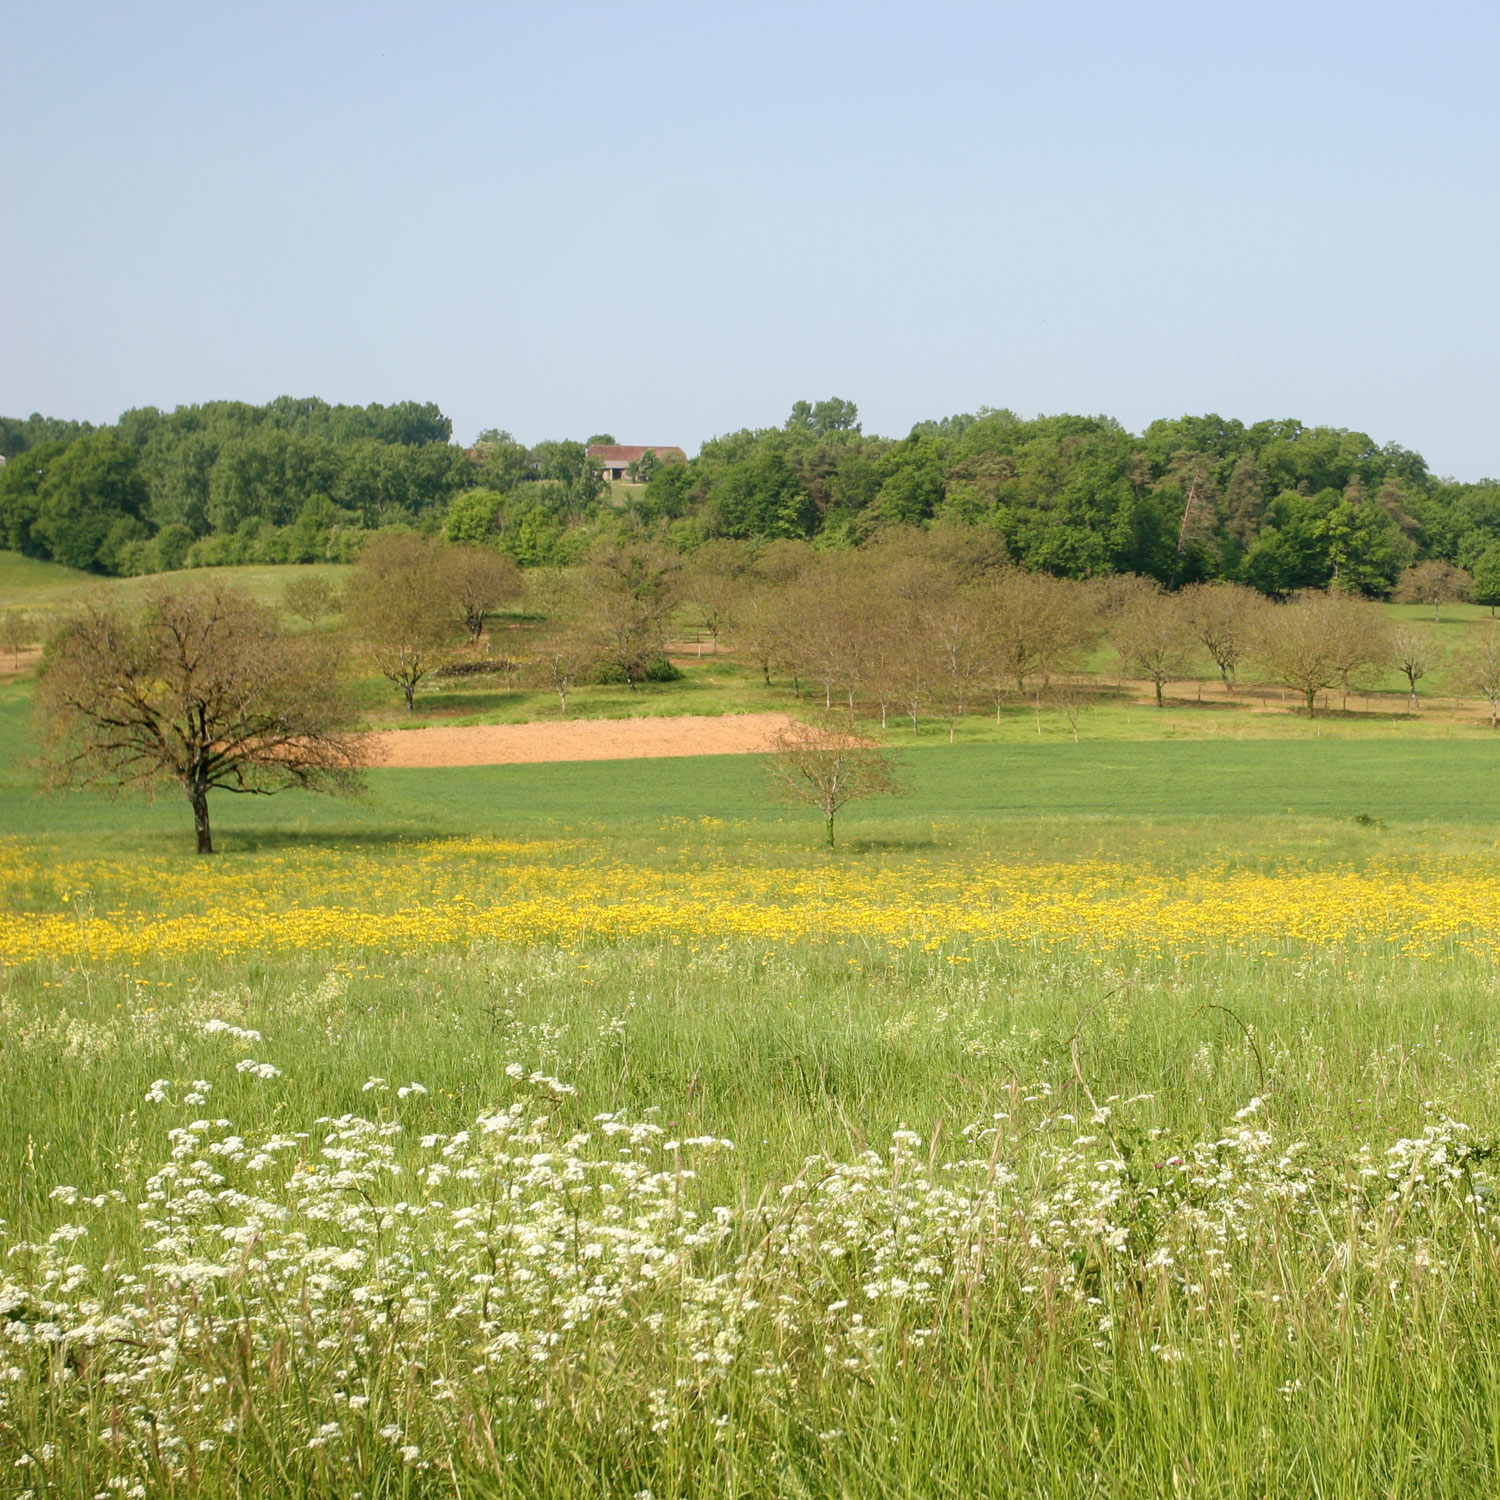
[{"x": 575, "y": 739}]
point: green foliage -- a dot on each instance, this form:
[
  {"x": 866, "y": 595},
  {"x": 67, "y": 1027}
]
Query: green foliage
[
  {"x": 19, "y": 435},
  {"x": 1486, "y": 575},
  {"x": 90, "y": 502},
  {"x": 473, "y": 517},
  {"x": 1277, "y": 504},
  {"x": 656, "y": 669}
]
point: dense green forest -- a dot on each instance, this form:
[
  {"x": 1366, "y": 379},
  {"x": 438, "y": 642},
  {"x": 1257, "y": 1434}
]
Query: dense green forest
[{"x": 1274, "y": 504}]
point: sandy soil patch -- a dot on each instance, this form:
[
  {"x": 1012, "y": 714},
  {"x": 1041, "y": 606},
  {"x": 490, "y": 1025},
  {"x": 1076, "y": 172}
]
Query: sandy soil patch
[{"x": 574, "y": 739}]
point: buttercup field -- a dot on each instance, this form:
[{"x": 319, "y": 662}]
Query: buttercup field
[
  {"x": 749, "y": 752},
  {"x": 1099, "y": 1112}
]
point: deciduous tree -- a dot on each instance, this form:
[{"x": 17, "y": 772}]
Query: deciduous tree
[
  {"x": 479, "y": 582},
  {"x": 1433, "y": 582},
  {"x": 1154, "y": 636},
  {"x": 311, "y": 597},
  {"x": 1035, "y": 624},
  {"x": 1486, "y": 575},
  {"x": 17, "y": 631},
  {"x": 827, "y": 765},
  {"x": 400, "y": 607},
  {"x": 565, "y": 652},
  {"x": 712, "y": 584},
  {"x": 1414, "y": 654},
  {"x": 1299, "y": 645},
  {"x": 1478, "y": 667},
  {"x": 629, "y": 589},
  {"x": 203, "y": 688},
  {"x": 1224, "y": 618},
  {"x": 1360, "y": 639}
]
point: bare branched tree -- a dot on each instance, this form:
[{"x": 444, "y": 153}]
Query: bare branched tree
[
  {"x": 310, "y": 597},
  {"x": 203, "y": 688},
  {"x": 1361, "y": 640},
  {"x": 1154, "y": 636},
  {"x": 1299, "y": 645},
  {"x": 629, "y": 590},
  {"x": 712, "y": 585},
  {"x": 1478, "y": 667},
  {"x": 1414, "y": 654},
  {"x": 564, "y": 654},
  {"x": 400, "y": 607},
  {"x": 1433, "y": 582},
  {"x": 1224, "y": 617},
  {"x": 479, "y": 581},
  {"x": 1072, "y": 700},
  {"x": 1036, "y": 625},
  {"x": 827, "y": 766},
  {"x": 958, "y": 626},
  {"x": 17, "y": 631}
]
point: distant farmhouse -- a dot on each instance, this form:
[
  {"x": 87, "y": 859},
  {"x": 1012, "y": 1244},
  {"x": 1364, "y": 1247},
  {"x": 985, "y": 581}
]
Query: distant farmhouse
[{"x": 616, "y": 459}]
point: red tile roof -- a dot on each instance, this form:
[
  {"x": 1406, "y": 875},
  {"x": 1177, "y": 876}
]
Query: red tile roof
[{"x": 613, "y": 455}]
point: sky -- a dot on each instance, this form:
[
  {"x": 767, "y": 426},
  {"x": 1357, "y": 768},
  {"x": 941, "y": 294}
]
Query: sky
[{"x": 667, "y": 221}]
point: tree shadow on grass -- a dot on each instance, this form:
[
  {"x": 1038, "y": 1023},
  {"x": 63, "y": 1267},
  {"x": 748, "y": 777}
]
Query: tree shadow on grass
[
  {"x": 373, "y": 840},
  {"x": 886, "y": 846}
]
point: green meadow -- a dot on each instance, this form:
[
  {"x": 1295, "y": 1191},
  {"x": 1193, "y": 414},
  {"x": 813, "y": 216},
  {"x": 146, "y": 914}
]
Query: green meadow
[{"x": 1022, "y": 1218}]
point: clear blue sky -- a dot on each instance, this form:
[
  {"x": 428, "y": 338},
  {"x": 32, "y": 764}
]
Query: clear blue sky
[{"x": 670, "y": 220}]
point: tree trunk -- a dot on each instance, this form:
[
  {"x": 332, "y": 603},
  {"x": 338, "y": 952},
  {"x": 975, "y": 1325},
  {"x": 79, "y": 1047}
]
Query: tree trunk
[
  {"x": 409, "y": 689},
  {"x": 1312, "y": 702},
  {"x": 830, "y": 831},
  {"x": 198, "y": 796},
  {"x": 1159, "y": 702}
]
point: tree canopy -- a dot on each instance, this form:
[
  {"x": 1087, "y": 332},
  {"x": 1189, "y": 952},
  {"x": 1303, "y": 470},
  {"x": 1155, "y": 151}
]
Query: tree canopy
[
  {"x": 203, "y": 689},
  {"x": 1279, "y": 505}
]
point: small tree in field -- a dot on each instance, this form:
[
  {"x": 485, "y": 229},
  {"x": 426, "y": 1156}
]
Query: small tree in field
[
  {"x": 204, "y": 689},
  {"x": 712, "y": 584},
  {"x": 1433, "y": 582},
  {"x": 17, "y": 631},
  {"x": 1414, "y": 654},
  {"x": 564, "y": 653},
  {"x": 1360, "y": 639},
  {"x": 1486, "y": 589},
  {"x": 1223, "y": 617},
  {"x": 628, "y": 591},
  {"x": 479, "y": 581},
  {"x": 1300, "y": 644},
  {"x": 310, "y": 597},
  {"x": 1478, "y": 668},
  {"x": 827, "y": 766},
  {"x": 1072, "y": 700},
  {"x": 1154, "y": 637},
  {"x": 401, "y": 608}
]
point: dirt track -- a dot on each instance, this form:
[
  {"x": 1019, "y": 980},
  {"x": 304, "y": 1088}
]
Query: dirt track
[{"x": 574, "y": 739}]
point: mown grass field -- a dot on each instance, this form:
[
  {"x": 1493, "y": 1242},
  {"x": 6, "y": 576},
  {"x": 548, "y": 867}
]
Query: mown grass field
[{"x": 1111, "y": 1118}]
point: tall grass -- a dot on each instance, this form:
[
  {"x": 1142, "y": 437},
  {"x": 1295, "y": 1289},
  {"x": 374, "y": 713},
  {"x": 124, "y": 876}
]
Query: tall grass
[{"x": 953, "y": 1249}]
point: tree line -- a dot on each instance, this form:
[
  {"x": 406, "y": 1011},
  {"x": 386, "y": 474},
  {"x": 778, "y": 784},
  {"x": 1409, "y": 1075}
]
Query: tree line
[
  {"x": 938, "y": 624},
  {"x": 1276, "y": 505},
  {"x": 226, "y": 482},
  {"x": 917, "y": 625}
]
